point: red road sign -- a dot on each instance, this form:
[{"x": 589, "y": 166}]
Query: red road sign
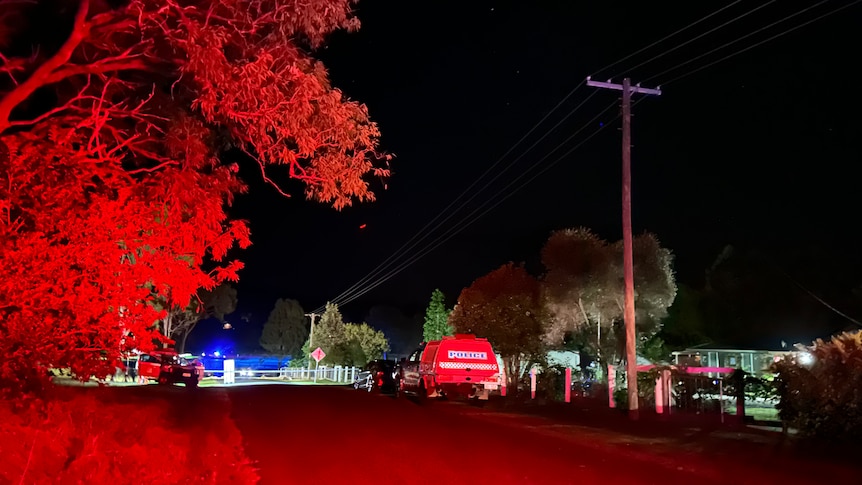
[{"x": 318, "y": 354}]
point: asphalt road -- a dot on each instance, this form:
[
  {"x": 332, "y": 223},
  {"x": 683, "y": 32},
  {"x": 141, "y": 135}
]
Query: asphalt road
[{"x": 329, "y": 435}]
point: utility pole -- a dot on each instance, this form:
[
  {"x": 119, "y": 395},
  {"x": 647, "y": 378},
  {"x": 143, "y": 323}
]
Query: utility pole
[
  {"x": 628, "y": 264},
  {"x": 313, "y": 316}
]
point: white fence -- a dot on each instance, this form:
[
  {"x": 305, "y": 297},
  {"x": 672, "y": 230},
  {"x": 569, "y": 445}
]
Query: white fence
[
  {"x": 322, "y": 373},
  {"x": 336, "y": 374}
]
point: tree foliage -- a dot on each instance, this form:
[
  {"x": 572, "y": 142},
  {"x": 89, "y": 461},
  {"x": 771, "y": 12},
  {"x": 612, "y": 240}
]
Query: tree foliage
[
  {"x": 505, "y": 307},
  {"x": 685, "y": 325},
  {"x": 329, "y": 335},
  {"x": 820, "y": 397},
  {"x": 654, "y": 280},
  {"x": 285, "y": 330},
  {"x": 436, "y": 318},
  {"x": 112, "y": 182},
  {"x": 403, "y": 332},
  {"x": 215, "y": 303},
  {"x": 84, "y": 437},
  {"x": 584, "y": 286},
  {"x": 760, "y": 296},
  {"x": 579, "y": 283},
  {"x": 373, "y": 343},
  {"x": 346, "y": 343}
]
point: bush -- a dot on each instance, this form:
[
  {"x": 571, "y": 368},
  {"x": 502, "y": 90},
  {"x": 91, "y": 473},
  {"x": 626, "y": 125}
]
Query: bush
[
  {"x": 756, "y": 388},
  {"x": 621, "y": 397},
  {"x": 103, "y": 436},
  {"x": 821, "y": 397},
  {"x": 646, "y": 389},
  {"x": 551, "y": 383}
]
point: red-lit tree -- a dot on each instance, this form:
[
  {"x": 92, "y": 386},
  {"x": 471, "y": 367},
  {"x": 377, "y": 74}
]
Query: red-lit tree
[
  {"x": 505, "y": 307},
  {"x": 112, "y": 189}
]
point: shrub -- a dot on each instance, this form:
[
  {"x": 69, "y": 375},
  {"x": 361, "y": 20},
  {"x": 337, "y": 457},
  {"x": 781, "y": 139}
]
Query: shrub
[
  {"x": 551, "y": 383},
  {"x": 822, "y": 396},
  {"x": 621, "y": 397},
  {"x": 100, "y": 436}
]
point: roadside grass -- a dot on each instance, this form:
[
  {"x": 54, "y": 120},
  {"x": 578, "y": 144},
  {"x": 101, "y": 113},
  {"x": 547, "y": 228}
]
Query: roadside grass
[
  {"x": 112, "y": 434},
  {"x": 205, "y": 382},
  {"x": 758, "y": 413}
]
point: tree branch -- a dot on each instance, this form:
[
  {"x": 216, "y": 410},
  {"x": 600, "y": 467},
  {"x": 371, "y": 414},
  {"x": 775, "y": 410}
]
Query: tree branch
[
  {"x": 100, "y": 67},
  {"x": 160, "y": 166},
  {"x": 42, "y": 73},
  {"x": 263, "y": 174},
  {"x": 66, "y": 106}
]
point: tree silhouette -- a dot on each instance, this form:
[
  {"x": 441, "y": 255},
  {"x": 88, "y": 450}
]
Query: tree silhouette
[
  {"x": 436, "y": 318},
  {"x": 285, "y": 330}
]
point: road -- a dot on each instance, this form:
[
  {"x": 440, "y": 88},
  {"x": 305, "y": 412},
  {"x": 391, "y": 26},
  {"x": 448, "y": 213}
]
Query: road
[{"x": 331, "y": 435}]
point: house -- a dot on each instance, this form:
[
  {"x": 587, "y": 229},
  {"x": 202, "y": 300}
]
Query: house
[{"x": 756, "y": 362}]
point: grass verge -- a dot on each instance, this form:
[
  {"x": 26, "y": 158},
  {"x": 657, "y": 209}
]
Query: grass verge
[{"x": 123, "y": 435}]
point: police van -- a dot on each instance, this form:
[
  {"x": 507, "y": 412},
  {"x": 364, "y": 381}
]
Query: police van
[{"x": 459, "y": 366}]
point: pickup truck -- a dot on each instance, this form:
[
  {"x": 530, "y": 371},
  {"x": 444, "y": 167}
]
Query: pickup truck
[
  {"x": 459, "y": 366},
  {"x": 167, "y": 367}
]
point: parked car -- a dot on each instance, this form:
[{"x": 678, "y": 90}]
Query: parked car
[
  {"x": 167, "y": 367},
  {"x": 376, "y": 376},
  {"x": 463, "y": 365}
]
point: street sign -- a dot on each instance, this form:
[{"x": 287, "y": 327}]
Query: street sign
[{"x": 318, "y": 354}]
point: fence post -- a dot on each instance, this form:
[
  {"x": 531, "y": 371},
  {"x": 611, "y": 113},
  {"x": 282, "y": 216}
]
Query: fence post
[
  {"x": 668, "y": 391},
  {"x": 533, "y": 383},
  {"x": 568, "y": 384},
  {"x": 739, "y": 381},
  {"x": 612, "y": 381}
]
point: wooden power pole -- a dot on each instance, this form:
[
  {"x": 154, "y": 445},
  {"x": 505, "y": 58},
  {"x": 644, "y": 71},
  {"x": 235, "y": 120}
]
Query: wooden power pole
[
  {"x": 313, "y": 317},
  {"x": 628, "y": 263}
]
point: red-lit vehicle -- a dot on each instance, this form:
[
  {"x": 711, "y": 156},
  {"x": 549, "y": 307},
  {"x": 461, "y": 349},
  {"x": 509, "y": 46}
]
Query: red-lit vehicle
[
  {"x": 167, "y": 367},
  {"x": 463, "y": 365}
]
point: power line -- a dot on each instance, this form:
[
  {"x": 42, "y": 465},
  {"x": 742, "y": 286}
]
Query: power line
[
  {"x": 358, "y": 290},
  {"x": 820, "y": 300},
  {"x": 667, "y": 37},
  {"x": 735, "y": 41},
  {"x": 689, "y": 73},
  {"x": 348, "y": 295},
  {"x": 452, "y": 232},
  {"x": 739, "y": 17},
  {"x": 463, "y": 223},
  {"x": 406, "y": 246},
  {"x": 452, "y": 213}
]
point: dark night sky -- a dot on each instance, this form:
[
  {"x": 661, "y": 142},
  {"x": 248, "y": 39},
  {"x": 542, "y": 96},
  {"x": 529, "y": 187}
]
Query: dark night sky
[{"x": 758, "y": 151}]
